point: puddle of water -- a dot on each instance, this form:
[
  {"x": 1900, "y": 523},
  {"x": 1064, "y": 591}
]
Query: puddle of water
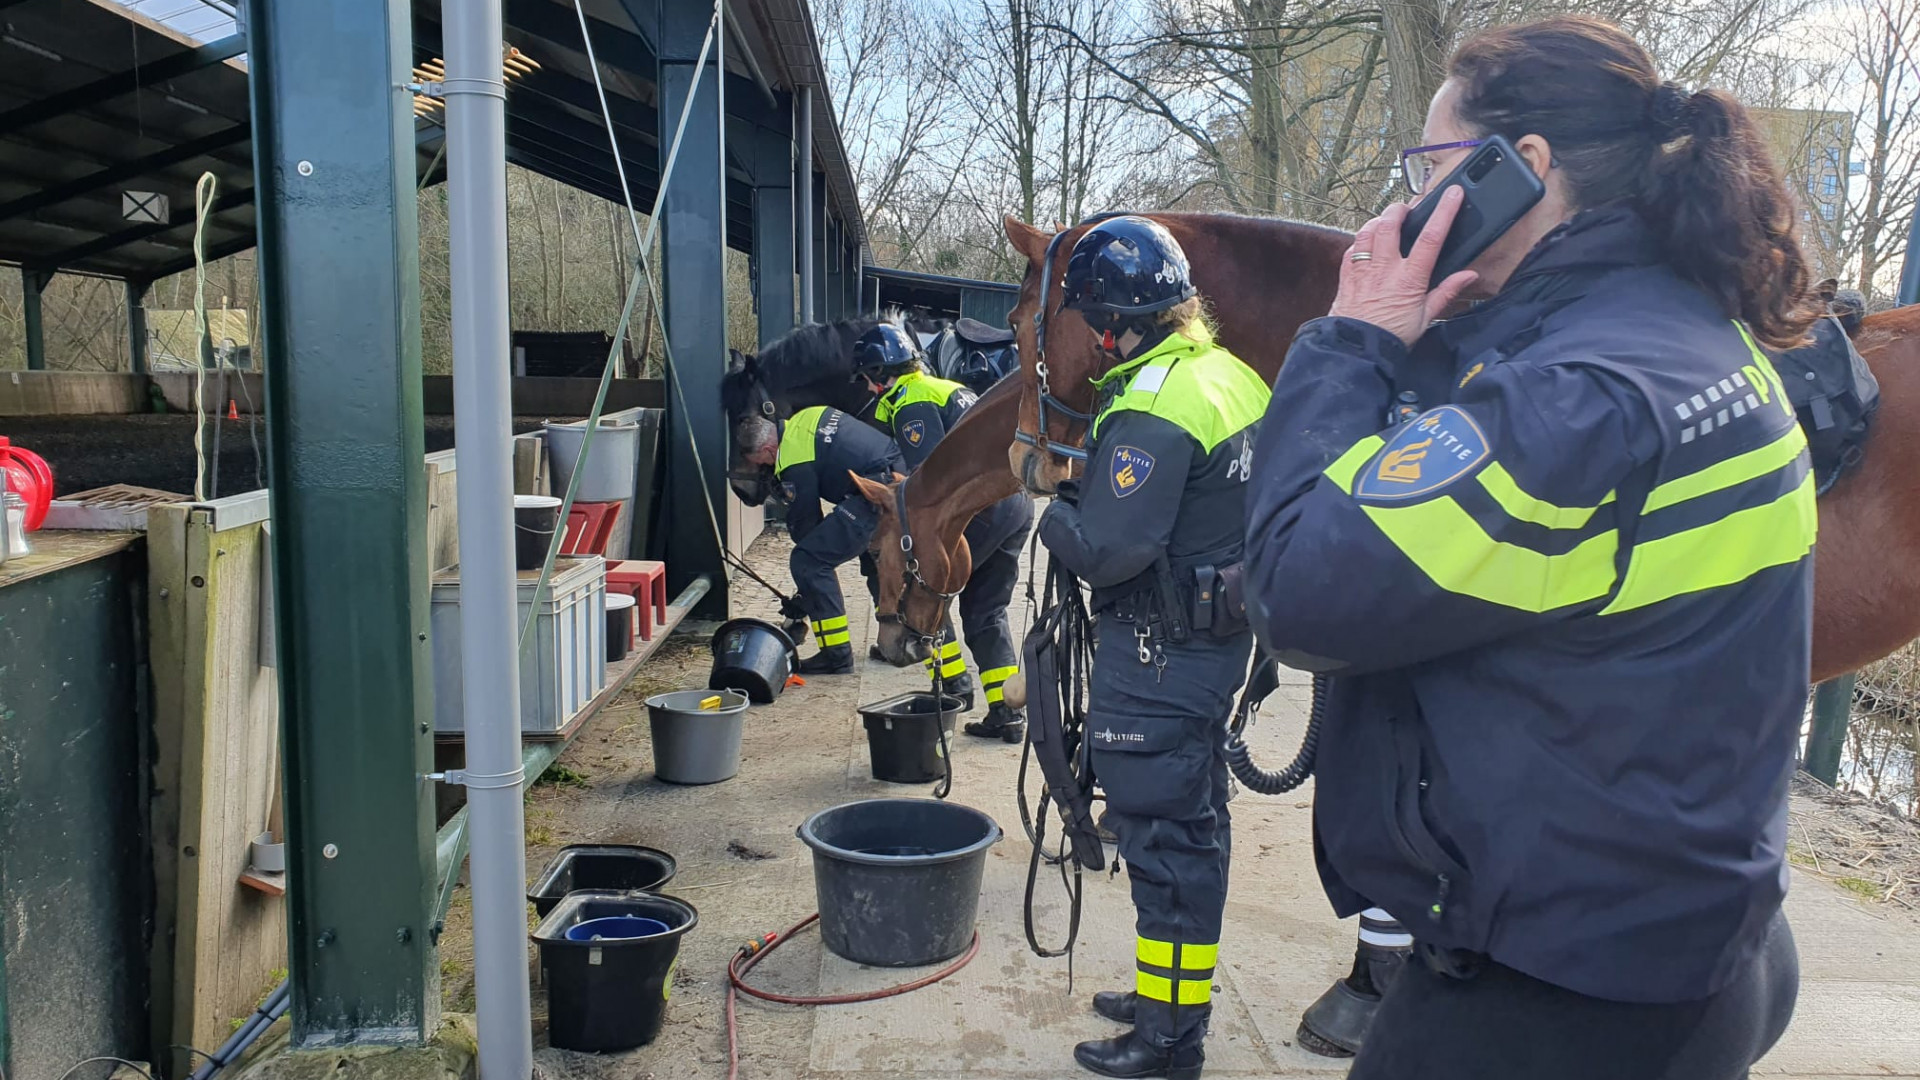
[{"x": 1883, "y": 735}]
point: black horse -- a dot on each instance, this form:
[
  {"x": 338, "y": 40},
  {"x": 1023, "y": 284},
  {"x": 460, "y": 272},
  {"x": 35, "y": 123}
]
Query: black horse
[{"x": 810, "y": 365}]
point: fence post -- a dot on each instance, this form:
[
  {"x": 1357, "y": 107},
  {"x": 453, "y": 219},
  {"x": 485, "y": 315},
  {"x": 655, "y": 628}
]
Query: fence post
[{"x": 1832, "y": 706}]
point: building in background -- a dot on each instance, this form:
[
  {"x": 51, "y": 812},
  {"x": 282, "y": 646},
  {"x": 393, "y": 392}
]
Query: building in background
[{"x": 1813, "y": 148}]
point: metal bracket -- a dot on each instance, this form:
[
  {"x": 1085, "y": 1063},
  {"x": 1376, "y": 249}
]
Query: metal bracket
[
  {"x": 481, "y": 781},
  {"x": 427, "y": 89}
]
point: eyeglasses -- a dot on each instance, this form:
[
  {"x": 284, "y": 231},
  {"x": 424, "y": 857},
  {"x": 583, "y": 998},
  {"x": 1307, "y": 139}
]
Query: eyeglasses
[{"x": 1417, "y": 165}]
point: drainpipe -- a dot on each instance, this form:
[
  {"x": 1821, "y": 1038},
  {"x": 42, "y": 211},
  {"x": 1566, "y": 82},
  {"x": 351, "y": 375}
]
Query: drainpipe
[
  {"x": 803, "y": 202},
  {"x": 489, "y": 608}
]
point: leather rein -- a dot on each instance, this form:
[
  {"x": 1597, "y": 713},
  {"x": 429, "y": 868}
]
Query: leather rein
[
  {"x": 1039, "y": 439},
  {"x": 911, "y": 575}
]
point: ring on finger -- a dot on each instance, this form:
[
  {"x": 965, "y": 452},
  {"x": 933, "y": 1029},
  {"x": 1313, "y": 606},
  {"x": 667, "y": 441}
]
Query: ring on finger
[{"x": 1359, "y": 256}]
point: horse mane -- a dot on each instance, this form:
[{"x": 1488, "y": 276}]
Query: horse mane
[{"x": 808, "y": 353}]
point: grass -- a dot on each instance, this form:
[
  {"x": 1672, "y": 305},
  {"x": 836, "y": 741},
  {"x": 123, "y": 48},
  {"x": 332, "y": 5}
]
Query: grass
[
  {"x": 564, "y": 776},
  {"x": 1860, "y": 887}
]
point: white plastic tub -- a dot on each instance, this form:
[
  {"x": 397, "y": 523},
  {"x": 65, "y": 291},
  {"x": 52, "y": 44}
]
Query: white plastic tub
[{"x": 565, "y": 662}]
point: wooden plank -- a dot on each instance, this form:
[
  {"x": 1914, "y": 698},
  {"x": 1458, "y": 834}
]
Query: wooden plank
[
  {"x": 443, "y": 511},
  {"x": 167, "y": 648},
  {"x": 55, "y": 550}
]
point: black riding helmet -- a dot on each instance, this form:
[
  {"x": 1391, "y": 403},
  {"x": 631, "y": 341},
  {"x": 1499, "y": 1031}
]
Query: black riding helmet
[
  {"x": 884, "y": 352},
  {"x": 1124, "y": 269}
]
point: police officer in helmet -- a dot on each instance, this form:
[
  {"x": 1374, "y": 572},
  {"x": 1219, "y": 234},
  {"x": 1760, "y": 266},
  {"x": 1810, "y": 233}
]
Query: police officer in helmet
[
  {"x": 920, "y": 409},
  {"x": 812, "y": 453},
  {"x": 1160, "y": 511}
]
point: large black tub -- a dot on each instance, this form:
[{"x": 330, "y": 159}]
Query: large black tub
[
  {"x": 898, "y": 880},
  {"x": 607, "y": 960}
]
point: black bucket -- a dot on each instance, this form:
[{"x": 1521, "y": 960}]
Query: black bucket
[
  {"x": 903, "y": 736},
  {"x": 535, "y": 519},
  {"x": 752, "y": 656},
  {"x": 610, "y": 993},
  {"x": 898, "y": 880},
  {"x": 619, "y": 626},
  {"x": 621, "y": 867}
]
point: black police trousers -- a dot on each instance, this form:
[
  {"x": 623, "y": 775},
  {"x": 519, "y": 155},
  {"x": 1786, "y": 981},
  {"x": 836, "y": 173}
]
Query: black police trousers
[
  {"x": 1502, "y": 1025},
  {"x": 994, "y": 538},
  {"x": 842, "y": 535},
  {"x": 1158, "y": 736}
]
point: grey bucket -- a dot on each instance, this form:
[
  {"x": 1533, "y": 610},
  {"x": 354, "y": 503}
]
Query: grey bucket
[
  {"x": 692, "y": 745},
  {"x": 609, "y": 468}
]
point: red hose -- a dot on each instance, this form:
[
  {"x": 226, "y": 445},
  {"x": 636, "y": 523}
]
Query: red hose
[{"x": 750, "y": 955}]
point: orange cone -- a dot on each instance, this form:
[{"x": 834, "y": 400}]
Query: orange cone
[{"x": 233, "y": 410}]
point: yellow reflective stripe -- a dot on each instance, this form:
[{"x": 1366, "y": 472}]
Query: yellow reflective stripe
[
  {"x": 952, "y": 668},
  {"x": 1735, "y": 470},
  {"x": 1500, "y": 484},
  {"x": 1342, "y": 471},
  {"x": 1195, "y": 993},
  {"x": 834, "y": 623},
  {"x": 1157, "y": 953},
  {"x": 1153, "y": 987},
  {"x": 1723, "y": 552},
  {"x": 1198, "y": 957},
  {"x": 1451, "y": 548},
  {"x": 949, "y": 650},
  {"x": 796, "y": 441},
  {"x": 995, "y": 695},
  {"x": 828, "y": 640},
  {"x": 994, "y": 676}
]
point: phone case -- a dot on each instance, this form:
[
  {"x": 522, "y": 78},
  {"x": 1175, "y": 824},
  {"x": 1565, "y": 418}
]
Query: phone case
[{"x": 1500, "y": 189}]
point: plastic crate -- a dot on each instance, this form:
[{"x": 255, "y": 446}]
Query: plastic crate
[{"x": 564, "y": 664}]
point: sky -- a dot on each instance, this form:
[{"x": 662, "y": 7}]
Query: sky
[{"x": 197, "y": 19}]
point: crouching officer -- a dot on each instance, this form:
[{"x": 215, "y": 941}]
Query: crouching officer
[
  {"x": 920, "y": 409},
  {"x": 812, "y": 455},
  {"x": 1161, "y": 510}
]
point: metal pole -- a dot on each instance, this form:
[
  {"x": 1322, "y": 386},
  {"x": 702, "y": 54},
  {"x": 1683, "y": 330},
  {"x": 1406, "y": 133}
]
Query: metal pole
[
  {"x": 137, "y": 324},
  {"x": 1910, "y": 268},
  {"x": 31, "y": 282},
  {"x": 1832, "y": 707},
  {"x": 804, "y": 205},
  {"x": 483, "y": 429}
]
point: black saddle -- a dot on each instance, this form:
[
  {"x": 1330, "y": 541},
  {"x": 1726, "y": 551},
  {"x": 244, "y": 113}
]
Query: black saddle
[
  {"x": 1832, "y": 390},
  {"x": 975, "y": 332}
]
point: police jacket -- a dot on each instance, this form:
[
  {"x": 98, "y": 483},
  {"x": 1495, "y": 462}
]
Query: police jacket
[
  {"x": 818, "y": 447},
  {"x": 1567, "y": 613},
  {"x": 1166, "y": 470},
  {"x": 920, "y": 409}
]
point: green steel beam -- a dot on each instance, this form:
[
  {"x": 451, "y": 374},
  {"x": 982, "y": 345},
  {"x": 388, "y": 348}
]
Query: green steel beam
[
  {"x": 335, "y": 163},
  {"x": 771, "y": 154},
  {"x": 693, "y": 245},
  {"x": 181, "y": 218},
  {"x": 122, "y": 82},
  {"x": 137, "y": 325},
  {"x": 32, "y": 283},
  {"x": 1827, "y": 741}
]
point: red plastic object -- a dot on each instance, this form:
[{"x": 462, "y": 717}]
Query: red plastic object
[
  {"x": 589, "y": 527},
  {"x": 27, "y": 474},
  {"x": 646, "y": 581}
]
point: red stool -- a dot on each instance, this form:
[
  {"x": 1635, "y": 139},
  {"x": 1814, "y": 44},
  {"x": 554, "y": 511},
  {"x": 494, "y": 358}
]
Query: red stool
[
  {"x": 646, "y": 581},
  {"x": 589, "y": 527}
]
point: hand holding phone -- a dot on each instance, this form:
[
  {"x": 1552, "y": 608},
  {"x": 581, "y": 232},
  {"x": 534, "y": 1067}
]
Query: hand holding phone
[
  {"x": 1497, "y": 188},
  {"x": 1389, "y": 289}
]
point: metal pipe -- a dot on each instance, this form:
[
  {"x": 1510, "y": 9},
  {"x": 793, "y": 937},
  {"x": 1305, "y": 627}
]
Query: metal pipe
[
  {"x": 31, "y": 282},
  {"x": 803, "y": 203},
  {"x": 754, "y": 70},
  {"x": 483, "y": 427}
]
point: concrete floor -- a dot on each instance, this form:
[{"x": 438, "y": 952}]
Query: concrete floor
[{"x": 1009, "y": 1014}]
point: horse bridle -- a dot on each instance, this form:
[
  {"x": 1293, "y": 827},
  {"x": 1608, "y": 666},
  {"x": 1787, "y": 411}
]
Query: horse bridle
[
  {"x": 911, "y": 574},
  {"x": 1039, "y": 439}
]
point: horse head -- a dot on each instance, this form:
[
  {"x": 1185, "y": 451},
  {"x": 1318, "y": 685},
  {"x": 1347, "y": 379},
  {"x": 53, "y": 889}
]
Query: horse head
[
  {"x": 1052, "y": 412},
  {"x": 751, "y": 417},
  {"x": 916, "y": 584}
]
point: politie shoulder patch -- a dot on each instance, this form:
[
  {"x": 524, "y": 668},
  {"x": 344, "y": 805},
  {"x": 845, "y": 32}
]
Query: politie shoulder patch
[
  {"x": 915, "y": 431},
  {"x": 1131, "y": 467},
  {"x": 1433, "y": 450}
]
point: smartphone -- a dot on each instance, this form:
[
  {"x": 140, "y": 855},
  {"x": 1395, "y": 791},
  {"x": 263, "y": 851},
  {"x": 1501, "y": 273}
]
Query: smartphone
[{"x": 1500, "y": 189}]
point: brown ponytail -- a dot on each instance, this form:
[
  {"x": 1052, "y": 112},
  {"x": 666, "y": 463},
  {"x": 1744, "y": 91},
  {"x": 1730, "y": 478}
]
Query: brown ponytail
[{"x": 1693, "y": 164}]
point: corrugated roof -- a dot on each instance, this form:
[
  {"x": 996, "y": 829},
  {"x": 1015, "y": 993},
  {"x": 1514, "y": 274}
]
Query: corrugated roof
[{"x": 100, "y": 98}]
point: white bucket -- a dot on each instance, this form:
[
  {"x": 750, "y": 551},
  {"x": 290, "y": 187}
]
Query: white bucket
[{"x": 609, "y": 467}]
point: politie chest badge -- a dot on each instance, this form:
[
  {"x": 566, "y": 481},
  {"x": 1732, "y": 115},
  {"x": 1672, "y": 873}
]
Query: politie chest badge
[
  {"x": 1131, "y": 467},
  {"x": 1438, "y": 447},
  {"x": 914, "y": 431}
]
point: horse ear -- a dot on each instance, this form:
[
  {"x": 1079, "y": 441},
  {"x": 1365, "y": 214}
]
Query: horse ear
[
  {"x": 1026, "y": 239},
  {"x": 876, "y": 493},
  {"x": 736, "y": 362}
]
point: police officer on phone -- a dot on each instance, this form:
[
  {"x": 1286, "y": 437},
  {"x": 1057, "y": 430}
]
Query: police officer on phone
[
  {"x": 920, "y": 409},
  {"x": 1565, "y": 605},
  {"x": 1156, "y": 523},
  {"x": 812, "y": 452}
]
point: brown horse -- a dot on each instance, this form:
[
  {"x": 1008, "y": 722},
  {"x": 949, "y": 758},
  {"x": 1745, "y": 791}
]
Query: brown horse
[
  {"x": 952, "y": 484},
  {"x": 1867, "y": 568}
]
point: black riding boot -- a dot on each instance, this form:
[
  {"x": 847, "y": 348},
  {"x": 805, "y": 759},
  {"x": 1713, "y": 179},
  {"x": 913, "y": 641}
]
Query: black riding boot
[
  {"x": 1116, "y": 1005},
  {"x": 832, "y": 660},
  {"x": 1003, "y": 723},
  {"x": 1131, "y": 1056},
  {"x": 1336, "y": 1024}
]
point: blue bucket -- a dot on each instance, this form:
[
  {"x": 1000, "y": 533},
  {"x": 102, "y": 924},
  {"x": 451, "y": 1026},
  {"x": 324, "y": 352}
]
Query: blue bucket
[{"x": 616, "y": 927}]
